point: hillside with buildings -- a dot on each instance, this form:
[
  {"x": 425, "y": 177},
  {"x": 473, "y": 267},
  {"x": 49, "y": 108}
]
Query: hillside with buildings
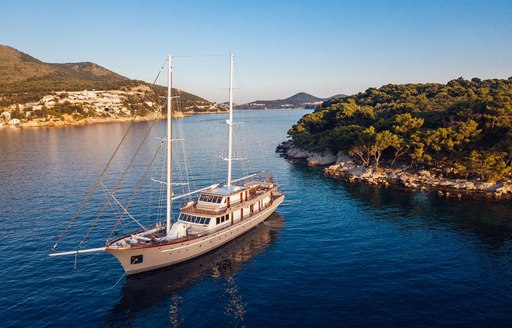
[{"x": 34, "y": 93}]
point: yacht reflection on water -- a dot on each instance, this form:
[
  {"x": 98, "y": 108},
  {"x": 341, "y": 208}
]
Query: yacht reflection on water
[{"x": 143, "y": 290}]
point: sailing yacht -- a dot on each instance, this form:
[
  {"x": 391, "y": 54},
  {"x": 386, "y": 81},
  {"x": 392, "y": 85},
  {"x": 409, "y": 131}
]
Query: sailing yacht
[{"x": 218, "y": 213}]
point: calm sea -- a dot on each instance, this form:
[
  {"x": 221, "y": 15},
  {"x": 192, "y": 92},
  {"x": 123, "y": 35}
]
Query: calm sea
[{"x": 333, "y": 254}]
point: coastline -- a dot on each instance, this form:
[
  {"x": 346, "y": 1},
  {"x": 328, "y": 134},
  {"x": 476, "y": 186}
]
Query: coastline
[
  {"x": 340, "y": 166},
  {"x": 68, "y": 120}
]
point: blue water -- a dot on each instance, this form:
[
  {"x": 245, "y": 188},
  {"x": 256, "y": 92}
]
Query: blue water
[{"x": 334, "y": 254}]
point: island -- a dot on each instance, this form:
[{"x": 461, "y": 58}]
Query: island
[
  {"x": 453, "y": 139},
  {"x": 300, "y": 100}
]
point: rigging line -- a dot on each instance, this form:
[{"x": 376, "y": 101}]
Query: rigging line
[
  {"x": 187, "y": 168},
  {"x": 218, "y": 140},
  {"x": 117, "y": 186},
  {"x": 185, "y": 165},
  {"x": 245, "y": 135},
  {"x": 93, "y": 189},
  {"x": 111, "y": 205},
  {"x": 151, "y": 192},
  {"x": 120, "y": 205},
  {"x": 159, "y": 72},
  {"x": 162, "y": 190},
  {"x": 150, "y": 198},
  {"x": 197, "y": 56},
  {"x": 126, "y": 230},
  {"x": 124, "y": 274},
  {"x": 182, "y": 166},
  {"x": 136, "y": 190},
  {"x": 242, "y": 131}
]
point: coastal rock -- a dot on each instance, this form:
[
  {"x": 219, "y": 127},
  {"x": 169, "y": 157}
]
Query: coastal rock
[
  {"x": 344, "y": 167},
  {"x": 295, "y": 152},
  {"x": 468, "y": 185},
  {"x": 284, "y": 146},
  {"x": 505, "y": 188},
  {"x": 313, "y": 158},
  {"x": 324, "y": 158},
  {"x": 486, "y": 186},
  {"x": 424, "y": 173},
  {"x": 423, "y": 180},
  {"x": 341, "y": 157}
]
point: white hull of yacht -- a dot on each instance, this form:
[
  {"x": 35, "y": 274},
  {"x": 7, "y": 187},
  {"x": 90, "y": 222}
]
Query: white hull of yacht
[{"x": 154, "y": 257}]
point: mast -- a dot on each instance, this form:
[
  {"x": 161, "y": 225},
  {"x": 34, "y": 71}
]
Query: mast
[
  {"x": 230, "y": 121},
  {"x": 169, "y": 145}
]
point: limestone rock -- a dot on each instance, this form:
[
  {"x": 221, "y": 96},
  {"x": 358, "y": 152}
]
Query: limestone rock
[
  {"x": 342, "y": 166},
  {"x": 324, "y": 158}
]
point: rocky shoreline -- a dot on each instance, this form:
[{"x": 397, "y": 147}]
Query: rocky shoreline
[{"x": 340, "y": 166}]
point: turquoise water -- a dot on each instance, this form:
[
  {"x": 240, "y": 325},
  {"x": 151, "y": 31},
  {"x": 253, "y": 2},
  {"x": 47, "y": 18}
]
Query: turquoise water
[{"x": 334, "y": 254}]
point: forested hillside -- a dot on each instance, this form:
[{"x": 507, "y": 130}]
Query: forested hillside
[
  {"x": 463, "y": 128},
  {"x": 20, "y": 72},
  {"x": 25, "y": 79}
]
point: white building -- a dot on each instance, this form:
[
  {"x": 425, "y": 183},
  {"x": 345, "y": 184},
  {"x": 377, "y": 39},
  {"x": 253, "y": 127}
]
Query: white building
[{"x": 6, "y": 115}]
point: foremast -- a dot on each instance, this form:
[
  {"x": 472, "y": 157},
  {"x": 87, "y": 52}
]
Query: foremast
[
  {"x": 169, "y": 146},
  {"x": 230, "y": 121}
]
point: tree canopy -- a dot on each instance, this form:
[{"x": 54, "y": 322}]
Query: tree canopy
[{"x": 463, "y": 128}]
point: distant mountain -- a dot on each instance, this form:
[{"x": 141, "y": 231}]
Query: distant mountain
[
  {"x": 20, "y": 72},
  {"x": 24, "y": 78},
  {"x": 299, "y": 100}
]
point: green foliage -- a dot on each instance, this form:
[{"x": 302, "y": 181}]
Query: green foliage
[
  {"x": 463, "y": 127},
  {"x": 16, "y": 113},
  {"x": 405, "y": 123},
  {"x": 489, "y": 165}
]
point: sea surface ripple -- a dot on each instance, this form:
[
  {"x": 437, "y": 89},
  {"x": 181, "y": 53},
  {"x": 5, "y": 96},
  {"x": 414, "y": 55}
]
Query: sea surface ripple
[{"x": 334, "y": 254}]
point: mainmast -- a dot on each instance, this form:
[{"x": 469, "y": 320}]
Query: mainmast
[
  {"x": 169, "y": 145},
  {"x": 230, "y": 121}
]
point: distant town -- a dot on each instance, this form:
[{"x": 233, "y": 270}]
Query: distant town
[{"x": 81, "y": 104}]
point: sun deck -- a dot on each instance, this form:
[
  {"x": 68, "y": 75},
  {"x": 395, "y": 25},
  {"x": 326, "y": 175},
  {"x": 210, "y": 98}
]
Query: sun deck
[{"x": 232, "y": 199}]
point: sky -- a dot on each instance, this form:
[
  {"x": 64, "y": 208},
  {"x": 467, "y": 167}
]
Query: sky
[{"x": 281, "y": 47}]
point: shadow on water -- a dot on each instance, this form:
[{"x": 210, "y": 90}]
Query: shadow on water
[
  {"x": 490, "y": 222},
  {"x": 149, "y": 289}
]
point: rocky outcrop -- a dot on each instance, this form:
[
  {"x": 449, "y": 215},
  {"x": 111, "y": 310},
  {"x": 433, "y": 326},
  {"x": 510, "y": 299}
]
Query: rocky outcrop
[
  {"x": 422, "y": 180},
  {"x": 289, "y": 150},
  {"x": 343, "y": 167}
]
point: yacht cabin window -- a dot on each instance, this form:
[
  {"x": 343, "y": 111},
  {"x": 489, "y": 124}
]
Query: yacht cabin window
[
  {"x": 194, "y": 219},
  {"x": 221, "y": 219},
  {"x": 210, "y": 199}
]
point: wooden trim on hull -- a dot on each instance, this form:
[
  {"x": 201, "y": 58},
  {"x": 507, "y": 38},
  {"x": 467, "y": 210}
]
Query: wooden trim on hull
[{"x": 150, "y": 258}]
